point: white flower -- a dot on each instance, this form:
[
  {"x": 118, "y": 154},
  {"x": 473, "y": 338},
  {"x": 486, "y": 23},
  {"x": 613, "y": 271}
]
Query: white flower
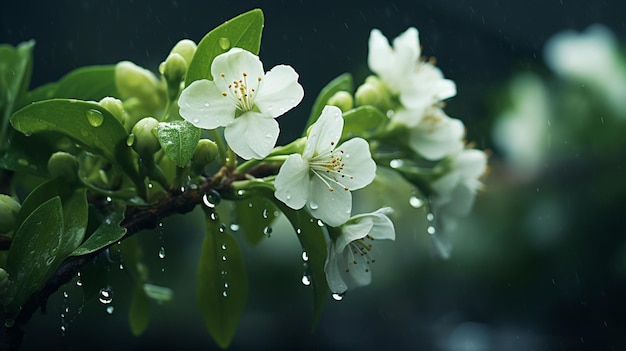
[
  {"x": 323, "y": 176},
  {"x": 243, "y": 99},
  {"x": 349, "y": 257},
  {"x": 455, "y": 191},
  {"x": 418, "y": 84},
  {"x": 433, "y": 134}
]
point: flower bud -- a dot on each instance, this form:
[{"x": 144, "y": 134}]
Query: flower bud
[
  {"x": 116, "y": 108},
  {"x": 8, "y": 213},
  {"x": 146, "y": 142},
  {"x": 185, "y": 48},
  {"x": 205, "y": 153},
  {"x": 373, "y": 92},
  {"x": 134, "y": 81},
  {"x": 173, "y": 69},
  {"x": 343, "y": 100},
  {"x": 63, "y": 165}
]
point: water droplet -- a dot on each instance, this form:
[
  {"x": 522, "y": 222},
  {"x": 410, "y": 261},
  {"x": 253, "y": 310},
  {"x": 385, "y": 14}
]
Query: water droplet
[
  {"x": 250, "y": 204},
  {"x": 162, "y": 252},
  {"x": 223, "y": 273},
  {"x": 269, "y": 136},
  {"x": 63, "y": 328},
  {"x": 150, "y": 185},
  {"x": 110, "y": 309},
  {"x": 415, "y": 201},
  {"x": 431, "y": 230},
  {"x": 106, "y": 295},
  {"x": 224, "y": 43},
  {"x": 267, "y": 231},
  {"x": 224, "y": 246},
  {"x": 313, "y": 205},
  {"x": 320, "y": 223},
  {"x": 265, "y": 214},
  {"x": 94, "y": 117},
  {"x": 121, "y": 266},
  {"x": 109, "y": 199},
  {"x": 298, "y": 231},
  {"x": 288, "y": 196},
  {"x": 130, "y": 140},
  {"x": 224, "y": 258},
  {"x": 234, "y": 227},
  {"x": 240, "y": 192},
  {"x": 224, "y": 293},
  {"x": 213, "y": 216},
  {"x": 49, "y": 260},
  {"x": 396, "y": 163},
  {"x": 430, "y": 217},
  {"x": 211, "y": 199},
  {"x": 305, "y": 256},
  {"x": 65, "y": 294},
  {"x": 338, "y": 296},
  {"x": 78, "y": 281},
  {"x": 306, "y": 280},
  {"x": 222, "y": 228}
]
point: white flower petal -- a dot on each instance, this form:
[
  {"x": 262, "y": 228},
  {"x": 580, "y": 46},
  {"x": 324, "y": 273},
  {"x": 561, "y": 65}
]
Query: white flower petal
[
  {"x": 379, "y": 51},
  {"x": 333, "y": 273},
  {"x": 470, "y": 163},
  {"x": 353, "y": 231},
  {"x": 279, "y": 91},
  {"x": 233, "y": 64},
  {"x": 332, "y": 207},
  {"x": 202, "y": 105},
  {"x": 359, "y": 274},
  {"x": 394, "y": 64},
  {"x": 292, "y": 182},
  {"x": 407, "y": 50},
  {"x": 359, "y": 167},
  {"x": 437, "y": 136},
  {"x": 251, "y": 135},
  {"x": 325, "y": 132}
]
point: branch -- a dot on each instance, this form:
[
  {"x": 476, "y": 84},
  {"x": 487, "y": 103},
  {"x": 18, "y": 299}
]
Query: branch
[{"x": 136, "y": 219}]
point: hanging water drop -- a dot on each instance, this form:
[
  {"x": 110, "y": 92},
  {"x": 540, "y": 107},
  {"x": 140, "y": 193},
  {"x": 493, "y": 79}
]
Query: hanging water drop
[
  {"x": 396, "y": 163},
  {"x": 110, "y": 309},
  {"x": 267, "y": 231},
  {"x": 298, "y": 231},
  {"x": 78, "y": 281},
  {"x": 234, "y": 227},
  {"x": 222, "y": 228},
  {"x": 94, "y": 117},
  {"x": 106, "y": 295},
  {"x": 305, "y": 256},
  {"x": 306, "y": 279},
  {"x": 338, "y": 296},
  {"x": 211, "y": 199},
  {"x": 224, "y": 258},
  {"x": 161, "y": 252},
  {"x": 265, "y": 214},
  {"x": 320, "y": 223},
  {"x": 65, "y": 294},
  {"x": 431, "y": 230},
  {"x": 430, "y": 217},
  {"x": 224, "y": 43},
  {"x": 224, "y": 293},
  {"x": 415, "y": 201},
  {"x": 130, "y": 140},
  {"x": 224, "y": 246},
  {"x": 313, "y": 205},
  {"x": 213, "y": 216}
]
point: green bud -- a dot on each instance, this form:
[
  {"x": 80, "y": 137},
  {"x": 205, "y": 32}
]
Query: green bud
[
  {"x": 146, "y": 142},
  {"x": 205, "y": 153},
  {"x": 174, "y": 68},
  {"x": 63, "y": 165},
  {"x": 8, "y": 213},
  {"x": 134, "y": 81},
  {"x": 185, "y": 48},
  {"x": 343, "y": 100},
  {"x": 116, "y": 108},
  {"x": 373, "y": 92}
]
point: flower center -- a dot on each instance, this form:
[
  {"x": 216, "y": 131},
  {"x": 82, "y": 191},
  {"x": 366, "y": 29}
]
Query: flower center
[
  {"x": 329, "y": 168},
  {"x": 241, "y": 93},
  {"x": 360, "y": 250}
]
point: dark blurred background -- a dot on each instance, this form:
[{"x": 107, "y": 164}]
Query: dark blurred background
[{"x": 539, "y": 264}]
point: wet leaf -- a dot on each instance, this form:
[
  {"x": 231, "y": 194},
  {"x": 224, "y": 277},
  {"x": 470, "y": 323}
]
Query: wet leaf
[
  {"x": 222, "y": 283},
  {"x": 341, "y": 83},
  {"x": 243, "y": 31},
  {"x": 87, "y": 123},
  {"x": 139, "y": 312},
  {"x": 157, "y": 293},
  {"x": 106, "y": 234},
  {"x": 178, "y": 140},
  {"x": 34, "y": 251},
  {"x": 253, "y": 214}
]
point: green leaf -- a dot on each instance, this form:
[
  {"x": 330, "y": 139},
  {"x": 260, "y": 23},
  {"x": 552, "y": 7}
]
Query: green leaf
[
  {"x": 107, "y": 233},
  {"x": 15, "y": 70},
  {"x": 34, "y": 251},
  {"x": 361, "y": 119},
  {"x": 243, "y": 31},
  {"x": 253, "y": 215},
  {"x": 87, "y": 123},
  {"x": 139, "y": 312},
  {"x": 159, "y": 294},
  {"x": 312, "y": 240},
  {"x": 222, "y": 283},
  {"x": 75, "y": 214},
  {"x": 341, "y": 83},
  {"x": 85, "y": 83},
  {"x": 178, "y": 140},
  {"x": 26, "y": 155}
]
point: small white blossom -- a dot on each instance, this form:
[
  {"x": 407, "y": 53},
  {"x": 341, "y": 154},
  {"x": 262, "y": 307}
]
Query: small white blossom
[
  {"x": 349, "y": 255},
  {"x": 455, "y": 191},
  {"x": 433, "y": 134},
  {"x": 418, "y": 84},
  {"x": 323, "y": 176},
  {"x": 244, "y": 99}
]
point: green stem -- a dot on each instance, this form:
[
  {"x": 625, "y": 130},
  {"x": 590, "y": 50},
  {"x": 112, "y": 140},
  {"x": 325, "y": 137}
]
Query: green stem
[
  {"x": 246, "y": 166},
  {"x": 221, "y": 146},
  {"x": 231, "y": 160}
]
